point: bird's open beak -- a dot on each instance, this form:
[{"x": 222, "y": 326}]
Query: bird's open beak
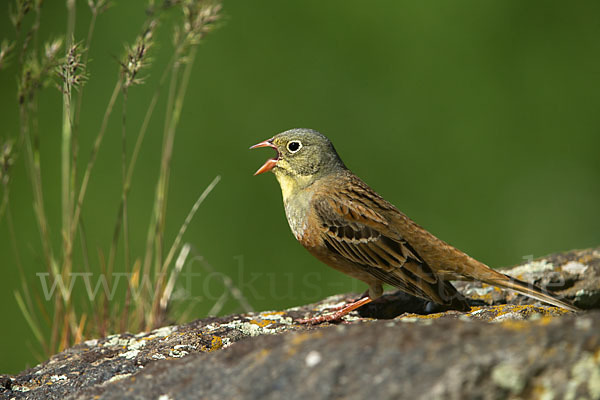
[{"x": 271, "y": 162}]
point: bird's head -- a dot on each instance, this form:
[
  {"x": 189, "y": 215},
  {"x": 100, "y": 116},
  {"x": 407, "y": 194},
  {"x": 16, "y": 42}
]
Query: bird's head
[{"x": 303, "y": 155}]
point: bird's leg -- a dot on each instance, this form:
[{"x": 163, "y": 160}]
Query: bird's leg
[
  {"x": 348, "y": 301},
  {"x": 337, "y": 315}
]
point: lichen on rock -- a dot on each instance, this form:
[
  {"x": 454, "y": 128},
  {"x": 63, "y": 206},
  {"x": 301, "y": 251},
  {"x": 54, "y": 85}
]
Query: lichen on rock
[{"x": 506, "y": 346}]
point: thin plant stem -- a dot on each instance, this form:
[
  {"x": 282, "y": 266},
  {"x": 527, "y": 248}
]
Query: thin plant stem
[
  {"x": 234, "y": 290},
  {"x": 25, "y": 301},
  {"x": 70, "y": 22},
  {"x": 90, "y": 165},
  {"x": 153, "y": 226},
  {"x": 77, "y": 114},
  {"x": 63, "y": 320},
  {"x": 32, "y": 163},
  {"x": 163, "y": 180},
  {"x": 66, "y": 177},
  {"x": 124, "y": 202},
  {"x": 156, "y": 231},
  {"x": 179, "y": 263},
  {"x": 29, "y": 318},
  {"x": 146, "y": 123},
  {"x": 129, "y": 175},
  {"x": 88, "y": 42},
  {"x": 162, "y": 300},
  {"x": 88, "y": 171},
  {"x": 186, "y": 223},
  {"x": 124, "y": 178},
  {"x": 67, "y": 211},
  {"x": 86, "y": 264}
]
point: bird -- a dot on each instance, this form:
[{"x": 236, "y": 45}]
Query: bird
[{"x": 345, "y": 224}]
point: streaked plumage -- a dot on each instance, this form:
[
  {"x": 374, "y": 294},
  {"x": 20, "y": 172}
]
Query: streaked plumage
[{"x": 348, "y": 226}]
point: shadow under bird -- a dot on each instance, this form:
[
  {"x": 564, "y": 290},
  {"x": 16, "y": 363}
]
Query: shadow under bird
[{"x": 348, "y": 226}]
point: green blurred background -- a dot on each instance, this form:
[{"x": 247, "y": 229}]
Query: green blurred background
[{"x": 480, "y": 120}]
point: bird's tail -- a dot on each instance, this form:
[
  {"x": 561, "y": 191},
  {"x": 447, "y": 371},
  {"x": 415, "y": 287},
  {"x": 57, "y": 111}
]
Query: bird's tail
[
  {"x": 485, "y": 274},
  {"x": 529, "y": 289}
]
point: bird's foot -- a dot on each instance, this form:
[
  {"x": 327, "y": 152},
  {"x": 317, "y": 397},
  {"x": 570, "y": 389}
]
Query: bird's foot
[
  {"x": 320, "y": 319},
  {"x": 348, "y": 301},
  {"x": 344, "y": 304},
  {"x": 336, "y": 316}
]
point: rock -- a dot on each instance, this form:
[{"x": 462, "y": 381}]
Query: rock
[
  {"x": 574, "y": 275},
  {"x": 445, "y": 359},
  {"x": 496, "y": 350}
]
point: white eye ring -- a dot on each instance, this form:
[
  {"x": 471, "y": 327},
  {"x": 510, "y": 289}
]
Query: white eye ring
[{"x": 293, "y": 146}]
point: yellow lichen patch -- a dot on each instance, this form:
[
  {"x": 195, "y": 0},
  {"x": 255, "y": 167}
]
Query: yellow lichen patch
[
  {"x": 498, "y": 309},
  {"x": 421, "y": 316},
  {"x": 548, "y": 310},
  {"x": 263, "y": 322},
  {"x": 529, "y": 313},
  {"x": 585, "y": 259},
  {"x": 274, "y": 313},
  {"x": 524, "y": 310},
  {"x": 215, "y": 344}
]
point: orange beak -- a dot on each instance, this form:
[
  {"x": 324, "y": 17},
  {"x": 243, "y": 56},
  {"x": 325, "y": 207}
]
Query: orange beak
[{"x": 271, "y": 162}]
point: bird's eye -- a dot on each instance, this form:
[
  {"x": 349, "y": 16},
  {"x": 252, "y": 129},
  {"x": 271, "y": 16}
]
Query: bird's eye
[{"x": 294, "y": 145}]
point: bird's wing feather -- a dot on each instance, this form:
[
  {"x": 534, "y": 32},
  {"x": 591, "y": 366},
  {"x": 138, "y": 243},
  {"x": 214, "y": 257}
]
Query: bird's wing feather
[{"x": 361, "y": 234}]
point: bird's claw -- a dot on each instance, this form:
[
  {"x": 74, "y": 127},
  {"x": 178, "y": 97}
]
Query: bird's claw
[{"x": 337, "y": 316}]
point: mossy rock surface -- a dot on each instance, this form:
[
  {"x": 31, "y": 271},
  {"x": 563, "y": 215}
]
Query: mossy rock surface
[{"x": 399, "y": 347}]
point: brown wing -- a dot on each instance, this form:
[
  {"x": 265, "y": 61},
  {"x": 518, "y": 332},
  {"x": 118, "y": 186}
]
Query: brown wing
[{"x": 353, "y": 226}]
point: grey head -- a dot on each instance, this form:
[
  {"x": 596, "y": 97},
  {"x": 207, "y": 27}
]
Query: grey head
[
  {"x": 301, "y": 152},
  {"x": 303, "y": 156}
]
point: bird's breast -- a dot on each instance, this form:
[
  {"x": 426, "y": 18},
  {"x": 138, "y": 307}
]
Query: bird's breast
[
  {"x": 297, "y": 211},
  {"x": 297, "y": 220}
]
